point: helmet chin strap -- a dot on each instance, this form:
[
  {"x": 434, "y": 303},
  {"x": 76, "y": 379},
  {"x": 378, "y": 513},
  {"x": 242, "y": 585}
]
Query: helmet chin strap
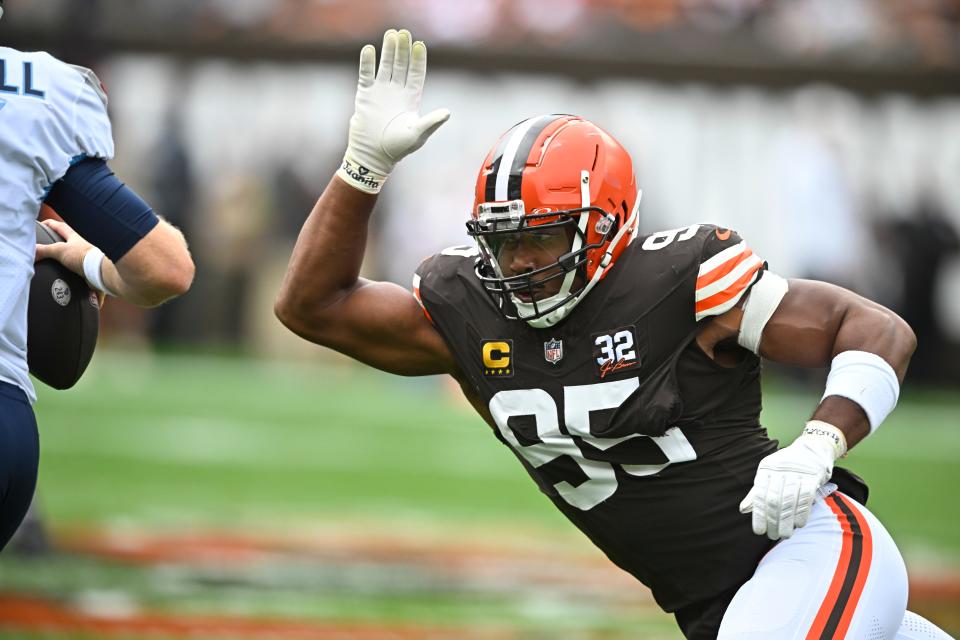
[{"x": 527, "y": 309}]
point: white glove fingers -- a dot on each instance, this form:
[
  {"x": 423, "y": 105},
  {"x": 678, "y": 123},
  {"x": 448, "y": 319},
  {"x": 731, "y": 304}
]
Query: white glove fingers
[
  {"x": 771, "y": 507},
  {"x": 418, "y": 68},
  {"x": 401, "y": 62},
  {"x": 386, "y": 125},
  {"x": 787, "y": 482},
  {"x": 746, "y": 505},
  {"x": 759, "y": 493},
  {"x": 431, "y": 122},
  {"x": 791, "y": 496},
  {"x": 368, "y": 62},
  {"x": 805, "y": 503},
  {"x": 759, "y": 520},
  {"x": 388, "y": 52}
]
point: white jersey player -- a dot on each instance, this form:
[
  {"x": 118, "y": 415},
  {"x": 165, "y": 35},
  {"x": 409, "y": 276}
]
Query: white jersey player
[{"x": 55, "y": 139}]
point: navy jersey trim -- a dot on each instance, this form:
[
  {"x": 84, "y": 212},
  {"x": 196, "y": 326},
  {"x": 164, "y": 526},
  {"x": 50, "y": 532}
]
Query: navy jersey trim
[{"x": 102, "y": 209}]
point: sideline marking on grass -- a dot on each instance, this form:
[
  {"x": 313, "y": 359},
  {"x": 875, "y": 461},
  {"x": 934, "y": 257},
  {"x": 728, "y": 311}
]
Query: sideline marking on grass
[{"x": 38, "y": 615}]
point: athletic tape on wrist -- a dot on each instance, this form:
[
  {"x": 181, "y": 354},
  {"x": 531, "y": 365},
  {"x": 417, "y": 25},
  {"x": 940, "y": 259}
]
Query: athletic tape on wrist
[
  {"x": 360, "y": 177},
  {"x": 868, "y": 380},
  {"x": 92, "y": 265},
  {"x": 834, "y": 434},
  {"x": 762, "y": 301}
]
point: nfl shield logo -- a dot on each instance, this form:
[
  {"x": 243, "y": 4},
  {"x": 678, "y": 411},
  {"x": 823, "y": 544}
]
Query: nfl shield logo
[{"x": 553, "y": 351}]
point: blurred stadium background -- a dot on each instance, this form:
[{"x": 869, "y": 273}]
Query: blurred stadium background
[{"x": 213, "y": 476}]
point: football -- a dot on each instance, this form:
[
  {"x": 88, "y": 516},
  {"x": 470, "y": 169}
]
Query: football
[{"x": 63, "y": 320}]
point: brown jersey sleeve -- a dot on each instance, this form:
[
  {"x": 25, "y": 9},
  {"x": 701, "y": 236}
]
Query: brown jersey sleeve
[{"x": 728, "y": 268}]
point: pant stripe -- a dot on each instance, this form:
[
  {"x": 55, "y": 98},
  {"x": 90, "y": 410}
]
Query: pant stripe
[{"x": 836, "y": 611}]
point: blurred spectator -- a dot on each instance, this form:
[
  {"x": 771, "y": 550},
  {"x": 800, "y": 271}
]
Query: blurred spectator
[
  {"x": 174, "y": 195},
  {"x": 231, "y": 243},
  {"x": 920, "y": 31},
  {"x": 292, "y": 196},
  {"x": 816, "y": 211},
  {"x": 921, "y": 242}
]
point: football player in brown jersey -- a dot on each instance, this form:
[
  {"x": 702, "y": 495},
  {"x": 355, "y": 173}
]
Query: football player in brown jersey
[{"x": 623, "y": 369}]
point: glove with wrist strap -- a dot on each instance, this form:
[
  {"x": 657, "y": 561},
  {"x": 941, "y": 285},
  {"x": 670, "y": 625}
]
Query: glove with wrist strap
[
  {"x": 386, "y": 125},
  {"x": 787, "y": 480}
]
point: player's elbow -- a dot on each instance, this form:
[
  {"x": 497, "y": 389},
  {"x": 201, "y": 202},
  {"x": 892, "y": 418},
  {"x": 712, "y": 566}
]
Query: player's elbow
[
  {"x": 173, "y": 280},
  {"x": 179, "y": 278},
  {"x": 303, "y": 317},
  {"x": 289, "y": 312},
  {"x": 283, "y": 311},
  {"x": 891, "y": 337},
  {"x": 903, "y": 336}
]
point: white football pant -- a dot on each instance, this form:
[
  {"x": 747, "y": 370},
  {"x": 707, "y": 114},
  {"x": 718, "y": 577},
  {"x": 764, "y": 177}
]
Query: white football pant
[{"x": 840, "y": 576}]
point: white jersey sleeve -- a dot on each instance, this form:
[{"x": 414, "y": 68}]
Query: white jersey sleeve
[
  {"x": 92, "y": 133},
  {"x": 79, "y": 106},
  {"x": 92, "y": 130}
]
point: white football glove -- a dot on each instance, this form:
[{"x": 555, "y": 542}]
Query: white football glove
[
  {"x": 386, "y": 125},
  {"x": 788, "y": 479}
]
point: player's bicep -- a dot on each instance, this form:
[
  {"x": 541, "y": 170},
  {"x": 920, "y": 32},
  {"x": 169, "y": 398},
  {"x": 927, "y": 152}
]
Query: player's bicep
[
  {"x": 803, "y": 328},
  {"x": 381, "y": 324}
]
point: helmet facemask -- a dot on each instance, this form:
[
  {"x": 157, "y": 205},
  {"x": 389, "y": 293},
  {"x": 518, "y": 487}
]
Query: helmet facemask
[{"x": 498, "y": 227}]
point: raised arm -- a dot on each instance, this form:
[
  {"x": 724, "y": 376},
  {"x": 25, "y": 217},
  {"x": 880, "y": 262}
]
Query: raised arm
[{"x": 322, "y": 298}]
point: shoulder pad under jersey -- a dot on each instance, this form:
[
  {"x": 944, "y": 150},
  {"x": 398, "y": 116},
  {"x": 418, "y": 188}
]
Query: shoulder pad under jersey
[
  {"x": 728, "y": 267},
  {"x": 445, "y": 277},
  {"x": 719, "y": 259},
  {"x": 72, "y": 113},
  {"x": 92, "y": 82}
]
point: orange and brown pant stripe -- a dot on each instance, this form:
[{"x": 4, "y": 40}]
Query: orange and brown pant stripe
[{"x": 853, "y": 566}]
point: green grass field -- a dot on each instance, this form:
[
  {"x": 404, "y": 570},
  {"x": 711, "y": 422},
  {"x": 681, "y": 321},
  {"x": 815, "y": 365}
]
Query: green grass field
[{"x": 162, "y": 445}]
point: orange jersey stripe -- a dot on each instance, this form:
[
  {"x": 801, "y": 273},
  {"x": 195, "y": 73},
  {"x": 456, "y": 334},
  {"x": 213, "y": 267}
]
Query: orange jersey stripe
[
  {"x": 718, "y": 272},
  {"x": 732, "y": 291}
]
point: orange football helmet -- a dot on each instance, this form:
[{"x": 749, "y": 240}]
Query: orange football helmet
[{"x": 553, "y": 171}]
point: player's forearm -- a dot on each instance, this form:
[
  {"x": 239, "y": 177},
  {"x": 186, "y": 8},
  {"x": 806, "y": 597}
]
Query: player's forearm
[
  {"x": 326, "y": 260},
  {"x": 143, "y": 292},
  {"x": 155, "y": 270},
  {"x": 872, "y": 329},
  {"x": 866, "y": 346}
]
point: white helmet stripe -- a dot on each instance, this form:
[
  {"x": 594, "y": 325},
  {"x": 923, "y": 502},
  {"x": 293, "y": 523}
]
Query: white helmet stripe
[{"x": 510, "y": 152}]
